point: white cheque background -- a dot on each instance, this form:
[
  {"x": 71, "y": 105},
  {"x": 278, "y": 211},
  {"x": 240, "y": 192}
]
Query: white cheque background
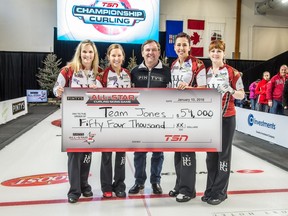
[{"x": 164, "y": 119}]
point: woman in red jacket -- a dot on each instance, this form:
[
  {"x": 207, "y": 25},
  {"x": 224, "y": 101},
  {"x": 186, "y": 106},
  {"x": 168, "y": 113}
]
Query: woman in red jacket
[
  {"x": 262, "y": 102},
  {"x": 275, "y": 91}
]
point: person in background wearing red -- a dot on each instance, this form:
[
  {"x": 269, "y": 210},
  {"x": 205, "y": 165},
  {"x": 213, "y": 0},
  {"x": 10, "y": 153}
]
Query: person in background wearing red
[
  {"x": 274, "y": 91},
  {"x": 262, "y": 102},
  {"x": 252, "y": 94},
  {"x": 114, "y": 77}
]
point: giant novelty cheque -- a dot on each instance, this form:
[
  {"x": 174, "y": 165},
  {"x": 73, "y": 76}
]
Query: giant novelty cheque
[{"x": 114, "y": 119}]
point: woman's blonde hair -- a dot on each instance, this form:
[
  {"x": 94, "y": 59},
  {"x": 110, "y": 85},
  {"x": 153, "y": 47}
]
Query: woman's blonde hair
[
  {"x": 76, "y": 63},
  {"x": 116, "y": 46}
]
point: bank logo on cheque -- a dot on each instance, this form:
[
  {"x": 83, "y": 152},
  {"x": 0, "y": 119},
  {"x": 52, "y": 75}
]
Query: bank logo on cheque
[{"x": 116, "y": 13}]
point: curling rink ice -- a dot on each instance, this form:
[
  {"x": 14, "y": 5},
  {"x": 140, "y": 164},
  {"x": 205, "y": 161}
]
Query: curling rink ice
[{"x": 34, "y": 182}]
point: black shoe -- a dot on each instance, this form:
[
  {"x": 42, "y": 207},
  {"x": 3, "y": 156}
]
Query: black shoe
[
  {"x": 183, "y": 198},
  {"x": 157, "y": 188},
  {"x": 173, "y": 193},
  {"x": 216, "y": 201},
  {"x": 136, "y": 188},
  {"x": 72, "y": 200},
  {"x": 205, "y": 198},
  {"x": 87, "y": 193},
  {"x": 120, "y": 194}
]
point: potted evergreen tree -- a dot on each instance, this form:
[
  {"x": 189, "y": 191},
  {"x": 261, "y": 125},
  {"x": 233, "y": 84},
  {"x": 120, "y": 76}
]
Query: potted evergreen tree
[{"x": 47, "y": 75}]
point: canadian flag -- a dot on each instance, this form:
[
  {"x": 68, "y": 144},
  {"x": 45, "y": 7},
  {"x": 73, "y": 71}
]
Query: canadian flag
[{"x": 196, "y": 32}]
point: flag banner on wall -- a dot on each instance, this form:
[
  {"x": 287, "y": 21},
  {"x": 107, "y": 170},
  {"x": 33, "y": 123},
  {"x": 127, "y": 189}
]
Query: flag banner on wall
[
  {"x": 172, "y": 29},
  {"x": 216, "y": 31},
  {"x": 195, "y": 28}
]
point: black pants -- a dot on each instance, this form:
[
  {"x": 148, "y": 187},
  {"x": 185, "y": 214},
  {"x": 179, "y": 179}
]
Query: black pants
[
  {"x": 106, "y": 172},
  {"x": 185, "y": 167},
  {"x": 219, "y": 163},
  {"x": 78, "y": 172}
]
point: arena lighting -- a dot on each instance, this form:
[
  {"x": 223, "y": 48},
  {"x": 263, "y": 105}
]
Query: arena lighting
[{"x": 262, "y": 7}]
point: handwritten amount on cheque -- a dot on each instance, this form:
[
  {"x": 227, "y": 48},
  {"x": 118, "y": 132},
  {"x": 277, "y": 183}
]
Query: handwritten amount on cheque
[{"x": 141, "y": 118}]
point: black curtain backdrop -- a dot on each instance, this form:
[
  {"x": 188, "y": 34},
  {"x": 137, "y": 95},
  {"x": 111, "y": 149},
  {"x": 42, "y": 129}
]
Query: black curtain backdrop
[
  {"x": 273, "y": 65},
  {"x": 18, "y": 69},
  {"x": 17, "y": 73}
]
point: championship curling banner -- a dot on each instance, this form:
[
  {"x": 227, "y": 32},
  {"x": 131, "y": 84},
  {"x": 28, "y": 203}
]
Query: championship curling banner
[
  {"x": 117, "y": 21},
  {"x": 135, "y": 119}
]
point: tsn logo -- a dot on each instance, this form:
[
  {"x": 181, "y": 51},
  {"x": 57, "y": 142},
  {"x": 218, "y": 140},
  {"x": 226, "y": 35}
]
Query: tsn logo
[
  {"x": 176, "y": 138},
  {"x": 110, "y": 4}
]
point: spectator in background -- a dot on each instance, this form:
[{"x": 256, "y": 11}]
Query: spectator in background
[
  {"x": 252, "y": 95},
  {"x": 285, "y": 97},
  {"x": 274, "y": 91},
  {"x": 237, "y": 102},
  {"x": 260, "y": 91}
]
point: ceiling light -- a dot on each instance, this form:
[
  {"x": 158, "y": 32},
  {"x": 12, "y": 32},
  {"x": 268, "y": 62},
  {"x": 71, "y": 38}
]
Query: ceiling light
[{"x": 284, "y": 1}]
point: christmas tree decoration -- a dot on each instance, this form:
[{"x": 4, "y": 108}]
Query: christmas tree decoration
[
  {"x": 47, "y": 76},
  {"x": 132, "y": 61}
]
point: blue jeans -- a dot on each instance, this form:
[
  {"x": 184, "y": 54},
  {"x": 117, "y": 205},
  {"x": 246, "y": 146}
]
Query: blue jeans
[
  {"x": 253, "y": 104},
  {"x": 238, "y": 103},
  {"x": 277, "y": 107},
  {"x": 262, "y": 107},
  {"x": 140, "y": 167}
]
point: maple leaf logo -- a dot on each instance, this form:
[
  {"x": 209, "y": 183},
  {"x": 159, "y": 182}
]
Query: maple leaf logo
[{"x": 195, "y": 38}]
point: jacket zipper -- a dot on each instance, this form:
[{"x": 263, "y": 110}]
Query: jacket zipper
[{"x": 149, "y": 79}]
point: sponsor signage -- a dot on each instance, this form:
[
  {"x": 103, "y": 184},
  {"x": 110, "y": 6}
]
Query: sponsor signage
[
  {"x": 12, "y": 109},
  {"x": 36, "y": 96},
  {"x": 37, "y": 180},
  {"x": 262, "y": 125},
  {"x": 18, "y": 107},
  {"x": 117, "y": 21},
  {"x": 141, "y": 120}
]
